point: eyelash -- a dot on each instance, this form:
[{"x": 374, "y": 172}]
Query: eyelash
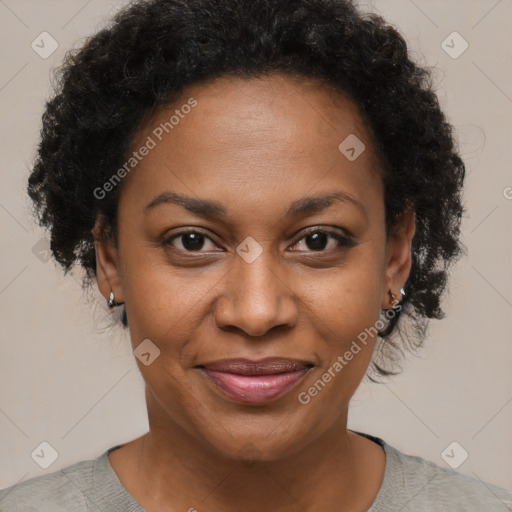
[{"x": 343, "y": 241}]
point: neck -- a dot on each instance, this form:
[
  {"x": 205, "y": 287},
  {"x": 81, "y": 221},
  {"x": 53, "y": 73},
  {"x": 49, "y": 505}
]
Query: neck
[{"x": 173, "y": 470}]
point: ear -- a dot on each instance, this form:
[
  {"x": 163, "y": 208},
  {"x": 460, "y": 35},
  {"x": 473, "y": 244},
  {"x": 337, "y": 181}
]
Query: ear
[
  {"x": 107, "y": 264},
  {"x": 398, "y": 257}
]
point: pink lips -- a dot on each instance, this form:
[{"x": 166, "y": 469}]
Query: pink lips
[{"x": 256, "y": 381}]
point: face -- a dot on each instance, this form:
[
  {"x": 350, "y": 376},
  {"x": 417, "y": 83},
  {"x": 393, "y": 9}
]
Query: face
[{"x": 245, "y": 232}]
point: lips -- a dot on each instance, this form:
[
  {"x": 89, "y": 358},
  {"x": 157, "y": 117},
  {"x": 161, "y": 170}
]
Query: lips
[
  {"x": 268, "y": 366},
  {"x": 255, "y": 382}
]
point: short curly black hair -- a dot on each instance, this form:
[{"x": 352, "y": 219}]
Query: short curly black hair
[{"x": 152, "y": 50}]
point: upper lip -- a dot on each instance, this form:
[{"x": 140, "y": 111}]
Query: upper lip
[{"x": 267, "y": 366}]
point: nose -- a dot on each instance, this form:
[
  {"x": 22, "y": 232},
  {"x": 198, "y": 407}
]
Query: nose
[{"x": 256, "y": 298}]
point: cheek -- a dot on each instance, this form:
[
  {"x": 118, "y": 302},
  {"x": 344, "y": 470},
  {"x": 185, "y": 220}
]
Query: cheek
[
  {"x": 345, "y": 331},
  {"x": 164, "y": 302},
  {"x": 345, "y": 309},
  {"x": 347, "y": 299},
  {"x": 166, "y": 306}
]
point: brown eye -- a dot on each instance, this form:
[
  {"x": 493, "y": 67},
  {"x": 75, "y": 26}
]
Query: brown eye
[
  {"x": 193, "y": 241},
  {"x": 190, "y": 241},
  {"x": 318, "y": 239}
]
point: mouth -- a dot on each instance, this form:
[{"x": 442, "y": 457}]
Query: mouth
[{"x": 255, "y": 382}]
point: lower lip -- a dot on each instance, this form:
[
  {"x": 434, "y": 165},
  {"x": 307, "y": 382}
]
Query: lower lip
[{"x": 255, "y": 389}]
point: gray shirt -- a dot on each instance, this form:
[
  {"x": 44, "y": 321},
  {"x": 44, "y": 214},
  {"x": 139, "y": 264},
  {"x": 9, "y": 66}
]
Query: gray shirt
[{"x": 410, "y": 484}]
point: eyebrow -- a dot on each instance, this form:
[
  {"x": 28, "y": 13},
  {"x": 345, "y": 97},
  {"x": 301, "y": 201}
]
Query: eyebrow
[{"x": 207, "y": 208}]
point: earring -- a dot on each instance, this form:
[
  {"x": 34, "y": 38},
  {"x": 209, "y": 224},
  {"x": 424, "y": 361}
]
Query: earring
[
  {"x": 111, "y": 302},
  {"x": 394, "y": 300}
]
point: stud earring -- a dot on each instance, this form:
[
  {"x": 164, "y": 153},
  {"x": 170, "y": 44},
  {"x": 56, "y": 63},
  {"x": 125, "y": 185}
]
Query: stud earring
[
  {"x": 111, "y": 302},
  {"x": 394, "y": 300}
]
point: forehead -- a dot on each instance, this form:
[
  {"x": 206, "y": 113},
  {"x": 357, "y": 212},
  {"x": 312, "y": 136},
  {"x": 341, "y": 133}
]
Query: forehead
[
  {"x": 281, "y": 107},
  {"x": 269, "y": 133}
]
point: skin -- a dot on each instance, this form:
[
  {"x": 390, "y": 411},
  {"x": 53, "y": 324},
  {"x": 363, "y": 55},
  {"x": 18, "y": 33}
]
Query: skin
[{"x": 253, "y": 145}]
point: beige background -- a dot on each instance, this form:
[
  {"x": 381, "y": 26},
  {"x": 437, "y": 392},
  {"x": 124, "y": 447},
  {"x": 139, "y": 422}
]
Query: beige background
[{"x": 66, "y": 379}]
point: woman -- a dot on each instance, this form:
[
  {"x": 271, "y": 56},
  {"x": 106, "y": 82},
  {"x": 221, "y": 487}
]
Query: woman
[{"x": 170, "y": 130}]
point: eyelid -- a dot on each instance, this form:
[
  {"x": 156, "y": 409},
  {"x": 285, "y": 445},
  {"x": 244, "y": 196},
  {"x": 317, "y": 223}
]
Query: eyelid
[
  {"x": 345, "y": 240},
  {"x": 330, "y": 230},
  {"x": 169, "y": 239}
]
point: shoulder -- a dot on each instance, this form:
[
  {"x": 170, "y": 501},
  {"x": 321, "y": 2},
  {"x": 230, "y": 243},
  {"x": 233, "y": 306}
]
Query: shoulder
[
  {"x": 56, "y": 491},
  {"x": 451, "y": 488},
  {"x": 412, "y": 483},
  {"x": 83, "y": 486}
]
